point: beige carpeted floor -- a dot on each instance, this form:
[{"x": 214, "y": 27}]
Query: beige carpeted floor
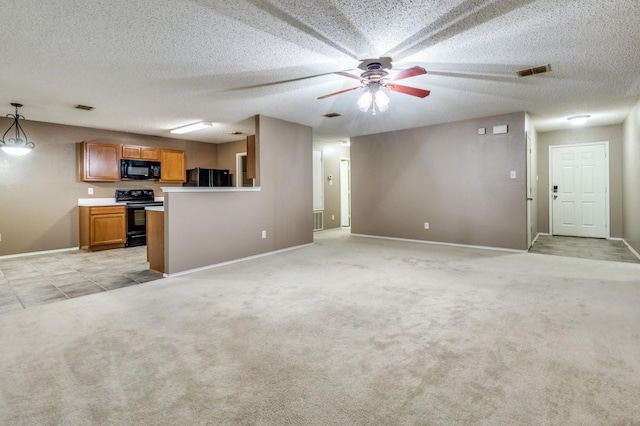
[{"x": 350, "y": 331}]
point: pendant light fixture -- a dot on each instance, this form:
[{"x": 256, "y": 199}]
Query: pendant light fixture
[{"x": 18, "y": 145}]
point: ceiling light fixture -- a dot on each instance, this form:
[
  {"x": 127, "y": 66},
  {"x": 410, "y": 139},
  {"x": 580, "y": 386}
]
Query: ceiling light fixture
[
  {"x": 373, "y": 98},
  {"x": 18, "y": 145},
  {"x": 579, "y": 119},
  {"x": 191, "y": 127}
]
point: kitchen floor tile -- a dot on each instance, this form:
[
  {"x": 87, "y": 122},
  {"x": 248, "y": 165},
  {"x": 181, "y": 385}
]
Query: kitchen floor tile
[
  {"x": 79, "y": 289},
  {"x": 35, "y": 280}
]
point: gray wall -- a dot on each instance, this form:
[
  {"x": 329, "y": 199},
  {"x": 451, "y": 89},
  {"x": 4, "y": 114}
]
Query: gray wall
[
  {"x": 203, "y": 229},
  {"x": 39, "y": 191},
  {"x": 332, "y": 153},
  {"x": 612, "y": 134},
  {"x": 446, "y": 175},
  {"x": 631, "y": 173}
]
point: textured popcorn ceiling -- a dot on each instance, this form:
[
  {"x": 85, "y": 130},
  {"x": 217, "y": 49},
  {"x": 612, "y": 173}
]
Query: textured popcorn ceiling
[{"x": 149, "y": 66}]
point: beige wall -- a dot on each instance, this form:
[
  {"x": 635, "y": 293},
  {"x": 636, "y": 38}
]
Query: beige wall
[
  {"x": 39, "y": 192},
  {"x": 332, "y": 153},
  {"x": 203, "y": 229},
  {"x": 631, "y": 175},
  {"x": 611, "y": 134},
  {"x": 227, "y": 156},
  {"x": 446, "y": 175}
]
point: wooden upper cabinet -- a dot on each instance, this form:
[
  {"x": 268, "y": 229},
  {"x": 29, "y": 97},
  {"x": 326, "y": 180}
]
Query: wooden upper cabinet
[
  {"x": 251, "y": 157},
  {"x": 173, "y": 166},
  {"x": 135, "y": 152},
  {"x": 99, "y": 162}
]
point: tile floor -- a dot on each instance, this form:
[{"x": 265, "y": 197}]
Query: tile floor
[
  {"x": 587, "y": 248},
  {"x": 40, "y": 279}
]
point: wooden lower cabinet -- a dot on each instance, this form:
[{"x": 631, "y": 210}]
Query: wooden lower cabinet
[
  {"x": 155, "y": 240},
  {"x": 102, "y": 227}
]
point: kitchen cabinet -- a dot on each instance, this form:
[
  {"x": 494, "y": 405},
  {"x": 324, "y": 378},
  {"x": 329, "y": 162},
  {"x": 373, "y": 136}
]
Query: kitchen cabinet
[
  {"x": 99, "y": 161},
  {"x": 155, "y": 240},
  {"x": 136, "y": 152},
  {"x": 102, "y": 227},
  {"x": 172, "y": 166},
  {"x": 251, "y": 157}
]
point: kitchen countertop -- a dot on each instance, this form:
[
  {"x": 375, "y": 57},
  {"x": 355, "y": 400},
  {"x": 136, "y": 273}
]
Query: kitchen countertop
[
  {"x": 155, "y": 208},
  {"x": 209, "y": 189},
  {"x": 94, "y": 202}
]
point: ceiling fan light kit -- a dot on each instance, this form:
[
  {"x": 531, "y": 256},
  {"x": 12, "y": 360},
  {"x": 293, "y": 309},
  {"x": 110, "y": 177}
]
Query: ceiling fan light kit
[
  {"x": 374, "y": 79},
  {"x": 191, "y": 127}
]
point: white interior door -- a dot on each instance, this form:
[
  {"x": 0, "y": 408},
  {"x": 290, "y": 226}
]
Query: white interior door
[
  {"x": 345, "y": 193},
  {"x": 529, "y": 194},
  {"x": 318, "y": 181},
  {"x": 579, "y": 190}
]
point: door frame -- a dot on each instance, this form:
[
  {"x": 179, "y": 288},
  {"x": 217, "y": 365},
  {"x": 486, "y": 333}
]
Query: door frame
[
  {"x": 342, "y": 200},
  {"x": 239, "y": 170},
  {"x": 607, "y": 189}
]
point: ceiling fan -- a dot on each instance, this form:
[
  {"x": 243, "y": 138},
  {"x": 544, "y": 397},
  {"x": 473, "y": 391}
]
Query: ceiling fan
[{"x": 376, "y": 78}]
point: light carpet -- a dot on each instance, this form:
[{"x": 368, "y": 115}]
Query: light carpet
[{"x": 349, "y": 331}]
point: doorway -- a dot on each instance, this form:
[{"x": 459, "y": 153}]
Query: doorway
[
  {"x": 345, "y": 192},
  {"x": 579, "y": 190},
  {"x": 241, "y": 171}
]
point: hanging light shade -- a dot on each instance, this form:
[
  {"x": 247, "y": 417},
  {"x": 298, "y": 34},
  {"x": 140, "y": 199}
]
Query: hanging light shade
[{"x": 17, "y": 142}]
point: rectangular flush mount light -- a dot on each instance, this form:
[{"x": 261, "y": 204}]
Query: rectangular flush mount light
[{"x": 192, "y": 127}]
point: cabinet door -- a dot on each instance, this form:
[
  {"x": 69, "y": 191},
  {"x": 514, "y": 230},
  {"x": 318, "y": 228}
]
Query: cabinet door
[
  {"x": 172, "y": 166},
  {"x": 131, "y": 152},
  {"x": 149, "y": 153},
  {"x": 108, "y": 229},
  {"x": 251, "y": 157},
  {"x": 100, "y": 162}
]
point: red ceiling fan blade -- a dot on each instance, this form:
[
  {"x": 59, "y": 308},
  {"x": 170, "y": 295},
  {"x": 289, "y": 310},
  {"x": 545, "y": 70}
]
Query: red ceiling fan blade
[
  {"x": 346, "y": 74},
  {"x": 340, "y": 92},
  {"x": 413, "y": 91},
  {"x": 409, "y": 72}
]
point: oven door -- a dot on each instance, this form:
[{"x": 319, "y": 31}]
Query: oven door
[{"x": 136, "y": 226}]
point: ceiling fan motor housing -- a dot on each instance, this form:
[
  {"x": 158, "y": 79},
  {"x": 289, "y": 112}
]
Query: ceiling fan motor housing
[{"x": 374, "y": 72}]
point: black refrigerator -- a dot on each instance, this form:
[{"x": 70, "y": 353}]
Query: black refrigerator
[{"x": 208, "y": 177}]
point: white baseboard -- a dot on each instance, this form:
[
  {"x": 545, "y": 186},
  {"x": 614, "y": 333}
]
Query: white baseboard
[
  {"x": 38, "y": 253},
  {"x": 231, "y": 262},
  {"x": 440, "y": 243}
]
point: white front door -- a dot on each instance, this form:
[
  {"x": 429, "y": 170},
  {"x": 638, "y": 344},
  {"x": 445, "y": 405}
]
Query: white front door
[{"x": 579, "y": 193}]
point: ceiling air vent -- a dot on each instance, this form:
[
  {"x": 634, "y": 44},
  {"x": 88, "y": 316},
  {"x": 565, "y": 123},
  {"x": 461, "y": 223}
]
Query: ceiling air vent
[
  {"x": 84, "y": 107},
  {"x": 537, "y": 70},
  {"x": 332, "y": 114},
  {"x": 235, "y": 132}
]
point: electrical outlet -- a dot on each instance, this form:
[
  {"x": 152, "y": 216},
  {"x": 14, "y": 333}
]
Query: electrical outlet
[
  {"x": 512, "y": 174},
  {"x": 426, "y": 225},
  {"x": 90, "y": 191},
  {"x": 333, "y": 217},
  {"x": 264, "y": 234}
]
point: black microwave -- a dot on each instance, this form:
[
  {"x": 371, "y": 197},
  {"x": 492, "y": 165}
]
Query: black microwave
[{"x": 139, "y": 169}]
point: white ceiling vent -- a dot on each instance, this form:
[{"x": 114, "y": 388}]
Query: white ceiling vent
[{"x": 536, "y": 70}]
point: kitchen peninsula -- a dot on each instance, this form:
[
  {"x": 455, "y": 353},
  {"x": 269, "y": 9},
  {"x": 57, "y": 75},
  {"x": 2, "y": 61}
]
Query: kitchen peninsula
[{"x": 159, "y": 216}]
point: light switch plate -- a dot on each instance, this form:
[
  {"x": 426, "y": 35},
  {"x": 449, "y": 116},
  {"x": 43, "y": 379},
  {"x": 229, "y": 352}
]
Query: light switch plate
[
  {"x": 482, "y": 131},
  {"x": 90, "y": 191},
  {"x": 513, "y": 174}
]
